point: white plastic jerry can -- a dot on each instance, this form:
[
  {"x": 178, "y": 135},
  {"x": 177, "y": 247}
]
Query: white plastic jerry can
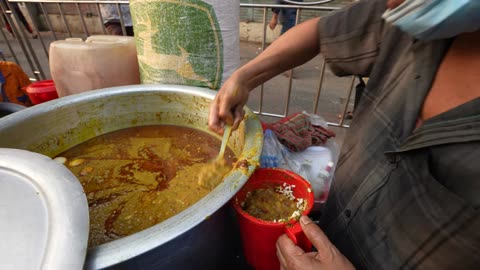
[{"x": 98, "y": 62}]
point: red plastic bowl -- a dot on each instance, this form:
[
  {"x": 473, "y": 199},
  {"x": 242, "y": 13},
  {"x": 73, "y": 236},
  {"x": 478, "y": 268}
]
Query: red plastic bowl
[
  {"x": 259, "y": 237},
  {"x": 42, "y": 91}
]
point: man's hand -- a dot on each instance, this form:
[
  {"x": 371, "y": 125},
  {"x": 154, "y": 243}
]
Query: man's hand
[
  {"x": 273, "y": 22},
  {"x": 327, "y": 257},
  {"x": 227, "y": 107}
]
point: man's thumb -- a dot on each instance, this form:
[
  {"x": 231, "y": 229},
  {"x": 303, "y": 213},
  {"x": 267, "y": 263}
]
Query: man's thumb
[{"x": 314, "y": 233}]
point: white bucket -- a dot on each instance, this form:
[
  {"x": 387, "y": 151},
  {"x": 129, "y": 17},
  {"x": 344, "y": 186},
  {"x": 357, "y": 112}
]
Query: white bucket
[{"x": 187, "y": 42}]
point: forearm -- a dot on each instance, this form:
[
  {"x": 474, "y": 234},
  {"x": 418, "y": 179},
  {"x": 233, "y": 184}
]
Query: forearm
[
  {"x": 291, "y": 49},
  {"x": 274, "y": 18}
]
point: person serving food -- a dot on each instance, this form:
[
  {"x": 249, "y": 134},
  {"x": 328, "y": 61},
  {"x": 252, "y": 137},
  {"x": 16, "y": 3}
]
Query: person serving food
[{"x": 406, "y": 188}]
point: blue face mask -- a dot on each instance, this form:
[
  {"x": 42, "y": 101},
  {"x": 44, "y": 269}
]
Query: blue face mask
[{"x": 435, "y": 19}]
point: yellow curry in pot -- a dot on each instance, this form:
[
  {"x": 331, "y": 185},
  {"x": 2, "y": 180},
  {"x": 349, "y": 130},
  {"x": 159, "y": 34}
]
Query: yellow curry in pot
[{"x": 137, "y": 177}]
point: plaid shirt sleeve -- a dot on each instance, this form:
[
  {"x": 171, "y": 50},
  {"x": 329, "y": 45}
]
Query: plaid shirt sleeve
[{"x": 350, "y": 38}]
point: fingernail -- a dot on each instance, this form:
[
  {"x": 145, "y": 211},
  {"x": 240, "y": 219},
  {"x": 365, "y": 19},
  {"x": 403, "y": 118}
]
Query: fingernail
[{"x": 305, "y": 220}]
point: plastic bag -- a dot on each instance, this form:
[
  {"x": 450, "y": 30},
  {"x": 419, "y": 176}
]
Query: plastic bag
[
  {"x": 275, "y": 154},
  {"x": 316, "y": 120},
  {"x": 316, "y": 163}
]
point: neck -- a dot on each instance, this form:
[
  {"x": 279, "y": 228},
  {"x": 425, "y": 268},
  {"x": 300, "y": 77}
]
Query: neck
[{"x": 457, "y": 79}]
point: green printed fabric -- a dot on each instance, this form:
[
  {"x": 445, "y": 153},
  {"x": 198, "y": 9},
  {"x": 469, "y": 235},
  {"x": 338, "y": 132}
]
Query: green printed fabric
[{"x": 178, "y": 42}]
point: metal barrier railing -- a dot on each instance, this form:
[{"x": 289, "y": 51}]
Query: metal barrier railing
[
  {"x": 300, "y": 7},
  {"x": 32, "y": 55}
]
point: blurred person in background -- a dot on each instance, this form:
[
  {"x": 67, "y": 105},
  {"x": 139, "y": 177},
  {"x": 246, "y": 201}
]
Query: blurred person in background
[
  {"x": 407, "y": 183},
  {"x": 286, "y": 16},
  {"x": 111, "y": 19},
  {"x": 20, "y": 16}
]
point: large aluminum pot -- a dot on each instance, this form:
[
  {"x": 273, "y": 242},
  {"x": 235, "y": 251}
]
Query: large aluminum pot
[
  {"x": 7, "y": 108},
  {"x": 200, "y": 237}
]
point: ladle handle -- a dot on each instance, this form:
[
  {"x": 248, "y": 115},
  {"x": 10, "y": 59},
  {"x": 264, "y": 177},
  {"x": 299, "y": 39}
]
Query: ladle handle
[{"x": 226, "y": 135}]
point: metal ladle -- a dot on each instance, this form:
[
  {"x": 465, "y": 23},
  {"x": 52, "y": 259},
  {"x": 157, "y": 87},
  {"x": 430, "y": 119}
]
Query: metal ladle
[
  {"x": 226, "y": 135},
  {"x": 210, "y": 175}
]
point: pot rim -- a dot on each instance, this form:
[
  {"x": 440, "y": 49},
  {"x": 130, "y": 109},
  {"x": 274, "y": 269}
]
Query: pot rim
[{"x": 128, "y": 247}]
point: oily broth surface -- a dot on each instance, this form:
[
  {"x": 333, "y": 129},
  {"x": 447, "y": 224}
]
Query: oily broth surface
[
  {"x": 137, "y": 177},
  {"x": 269, "y": 205}
]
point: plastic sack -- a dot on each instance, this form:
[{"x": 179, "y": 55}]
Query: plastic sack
[
  {"x": 316, "y": 163},
  {"x": 189, "y": 42}
]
